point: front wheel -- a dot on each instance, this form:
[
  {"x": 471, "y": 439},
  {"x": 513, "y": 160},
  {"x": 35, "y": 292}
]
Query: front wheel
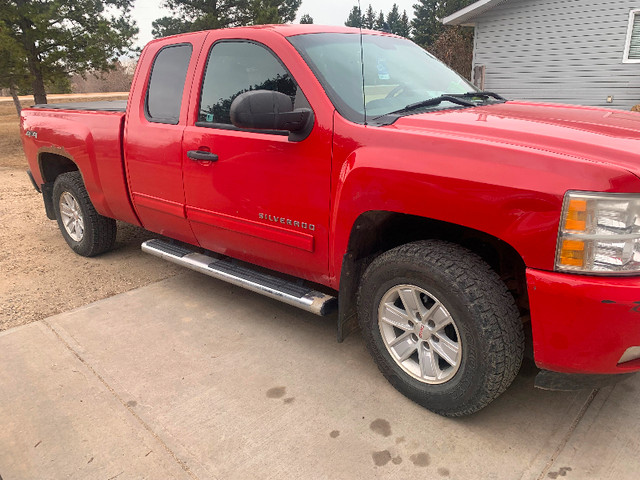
[
  {"x": 86, "y": 231},
  {"x": 441, "y": 326}
]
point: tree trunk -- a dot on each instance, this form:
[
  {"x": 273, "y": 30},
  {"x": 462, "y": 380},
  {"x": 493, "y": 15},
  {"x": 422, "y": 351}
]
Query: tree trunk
[
  {"x": 39, "y": 93},
  {"x": 16, "y": 100},
  {"x": 33, "y": 64}
]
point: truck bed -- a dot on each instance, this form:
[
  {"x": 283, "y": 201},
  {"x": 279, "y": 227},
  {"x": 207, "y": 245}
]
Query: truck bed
[
  {"x": 104, "y": 106},
  {"x": 88, "y": 135}
]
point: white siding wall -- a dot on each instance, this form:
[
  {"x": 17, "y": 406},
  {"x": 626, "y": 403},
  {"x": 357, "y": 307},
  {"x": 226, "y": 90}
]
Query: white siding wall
[{"x": 565, "y": 51}]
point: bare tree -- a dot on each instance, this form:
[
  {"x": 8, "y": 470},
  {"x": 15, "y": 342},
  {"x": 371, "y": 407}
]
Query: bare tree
[
  {"x": 454, "y": 46},
  {"x": 116, "y": 80}
]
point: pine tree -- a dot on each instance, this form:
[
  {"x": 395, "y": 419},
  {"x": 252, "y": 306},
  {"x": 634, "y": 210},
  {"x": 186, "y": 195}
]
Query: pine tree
[
  {"x": 427, "y": 14},
  {"x": 369, "y": 20},
  {"x": 194, "y": 15},
  {"x": 54, "y": 38},
  {"x": 393, "y": 19},
  {"x": 14, "y": 73},
  {"x": 381, "y": 24},
  {"x": 425, "y": 23},
  {"x": 404, "y": 29},
  {"x": 355, "y": 18},
  {"x": 306, "y": 19}
]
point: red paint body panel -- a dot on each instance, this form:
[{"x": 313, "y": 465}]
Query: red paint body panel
[
  {"x": 262, "y": 174},
  {"x": 482, "y": 169},
  {"x": 153, "y": 151},
  {"x": 92, "y": 141},
  {"x": 501, "y": 169},
  {"x": 271, "y": 233},
  {"x": 584, "y": 324}
]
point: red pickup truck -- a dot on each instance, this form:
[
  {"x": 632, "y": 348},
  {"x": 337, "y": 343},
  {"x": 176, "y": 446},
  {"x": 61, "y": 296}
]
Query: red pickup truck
[{"x": 330, "y": 168}]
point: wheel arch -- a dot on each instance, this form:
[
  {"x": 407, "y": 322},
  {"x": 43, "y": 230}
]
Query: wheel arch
[
  {"x": 51, "y": 166},
  {"x": 375, "y": 232}
]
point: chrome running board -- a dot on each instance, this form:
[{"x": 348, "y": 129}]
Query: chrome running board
[{"x": 225, "y": 269}]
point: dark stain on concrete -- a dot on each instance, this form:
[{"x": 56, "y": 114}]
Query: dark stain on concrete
[
  {"x": 276, "y": 392},
  {"x": 289, "y": 399},
  {"x": 420, "y": 459},
  {"x": 335, "y": 434},
  {"x": 400, "y": 439},
  {"x": 381, "y": 458},
  {"x": 560, "y": 473},
  {"x": 443, "y": 472},
  {"x": 397, "y": 460},
  {"x": 132, "y": 403},
  {"x": 381, "y": 427},
  {"x": 90, "y": 460}
]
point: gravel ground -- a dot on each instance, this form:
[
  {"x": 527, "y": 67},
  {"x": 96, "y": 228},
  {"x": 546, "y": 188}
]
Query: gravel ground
[{"x": 41, "y": 276}]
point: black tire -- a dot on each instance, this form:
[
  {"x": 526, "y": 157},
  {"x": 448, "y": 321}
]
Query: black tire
[
  {"x": 99, "y": 233},
  {"x": 486, "y": 320}
]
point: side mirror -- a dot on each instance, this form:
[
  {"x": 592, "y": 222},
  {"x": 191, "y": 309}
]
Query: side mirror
[{"x": 268, "y": 110}]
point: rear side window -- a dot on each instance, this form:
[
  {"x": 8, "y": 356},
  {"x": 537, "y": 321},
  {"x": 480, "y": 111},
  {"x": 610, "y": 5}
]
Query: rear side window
[
  {"x": 237, "y": 67},
  {"x": 166, "y": 85}
]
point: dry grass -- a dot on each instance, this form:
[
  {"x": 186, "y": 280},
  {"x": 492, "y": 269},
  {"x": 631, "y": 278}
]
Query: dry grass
[
  {"x": 11, "y": 154},
  {"x": 41, "y": 276},
  {"x": 10, "y": 145}
]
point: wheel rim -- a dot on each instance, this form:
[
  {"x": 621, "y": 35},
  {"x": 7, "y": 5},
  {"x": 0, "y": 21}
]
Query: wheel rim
[
  {"x": 71, "y": 216},
  {"x": 420, "y": 334}
]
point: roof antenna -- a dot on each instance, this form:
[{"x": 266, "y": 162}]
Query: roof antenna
[{"x": 364, "y": 95}]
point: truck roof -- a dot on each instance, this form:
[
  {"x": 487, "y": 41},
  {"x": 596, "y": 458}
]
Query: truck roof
[{"x": 286, "y": 30}]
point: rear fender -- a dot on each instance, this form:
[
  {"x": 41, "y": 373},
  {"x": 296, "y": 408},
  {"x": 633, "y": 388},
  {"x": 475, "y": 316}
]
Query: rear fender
[
  {"x": 70, "y": 139},
  {"x": 92, "y": 142}
]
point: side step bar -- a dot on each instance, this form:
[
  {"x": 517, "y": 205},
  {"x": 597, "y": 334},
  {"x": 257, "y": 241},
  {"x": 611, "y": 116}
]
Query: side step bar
[{"x": 225, "y": 269}]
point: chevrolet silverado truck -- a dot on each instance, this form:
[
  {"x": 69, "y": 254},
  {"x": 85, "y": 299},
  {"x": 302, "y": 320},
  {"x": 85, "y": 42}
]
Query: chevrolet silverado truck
[{"x": 331, "y": 168}]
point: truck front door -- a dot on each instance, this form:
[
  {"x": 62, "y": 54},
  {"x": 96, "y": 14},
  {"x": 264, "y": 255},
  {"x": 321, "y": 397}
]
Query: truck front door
[{"x": 254, "y": 195}]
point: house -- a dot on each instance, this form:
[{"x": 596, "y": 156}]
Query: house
[{"x": 583, "y": 52}]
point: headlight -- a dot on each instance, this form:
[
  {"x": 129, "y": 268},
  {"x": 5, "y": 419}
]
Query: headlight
[{"x": 599, "y": 233}]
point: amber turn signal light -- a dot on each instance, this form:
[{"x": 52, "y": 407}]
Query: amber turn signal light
[
  {"x": 572, "y": 253},
  {"x": 576, "y": 218}
]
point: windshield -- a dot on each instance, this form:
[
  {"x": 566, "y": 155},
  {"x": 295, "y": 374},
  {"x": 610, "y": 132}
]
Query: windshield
[{"x": 397, "y": 73}]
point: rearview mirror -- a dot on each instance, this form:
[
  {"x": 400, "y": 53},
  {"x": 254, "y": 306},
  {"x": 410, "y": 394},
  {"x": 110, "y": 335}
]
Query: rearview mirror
[{"x": 268, "y": 110}]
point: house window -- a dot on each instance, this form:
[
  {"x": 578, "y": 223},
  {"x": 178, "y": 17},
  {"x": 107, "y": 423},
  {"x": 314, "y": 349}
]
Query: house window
[{"x": 632, "y": 47}]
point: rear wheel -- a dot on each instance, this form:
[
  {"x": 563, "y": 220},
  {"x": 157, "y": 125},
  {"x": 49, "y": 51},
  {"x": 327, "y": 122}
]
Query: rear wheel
[
  {"x": 86, "y": 231},
  {"x": 441, "y": 325}
]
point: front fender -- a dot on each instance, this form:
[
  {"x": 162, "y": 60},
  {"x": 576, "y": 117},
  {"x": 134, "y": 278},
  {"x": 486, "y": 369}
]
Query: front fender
[{"x": 510, "y": 192}]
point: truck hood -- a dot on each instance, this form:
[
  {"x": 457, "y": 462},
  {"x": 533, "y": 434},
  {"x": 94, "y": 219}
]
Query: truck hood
[{"x": 593, "y": 134}]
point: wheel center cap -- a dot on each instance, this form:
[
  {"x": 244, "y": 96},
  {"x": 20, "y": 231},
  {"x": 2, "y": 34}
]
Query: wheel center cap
[{"x": 420, "y": 330}]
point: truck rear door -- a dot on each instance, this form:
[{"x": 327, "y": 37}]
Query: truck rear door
[{"x": 156, "y": 118}]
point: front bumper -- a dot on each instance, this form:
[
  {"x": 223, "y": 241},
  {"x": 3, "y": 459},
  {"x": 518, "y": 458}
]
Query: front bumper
[{"x": 584, "y": 324}]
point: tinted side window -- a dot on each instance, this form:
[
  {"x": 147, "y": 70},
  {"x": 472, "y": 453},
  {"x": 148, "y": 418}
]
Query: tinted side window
[
  {"x": 168, "y": 75},
  {"x": 234, "y": 68}
]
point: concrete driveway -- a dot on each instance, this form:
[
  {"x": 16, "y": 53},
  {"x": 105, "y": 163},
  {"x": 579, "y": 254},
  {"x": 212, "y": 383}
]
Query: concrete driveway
[{"x": 196, "y": 379}]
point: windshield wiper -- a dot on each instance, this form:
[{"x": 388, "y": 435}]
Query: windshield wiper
[
  {"x": 457, "y": 98},
  {"x": 433, "y": 102},
  {"x": 480, "y": 95}
]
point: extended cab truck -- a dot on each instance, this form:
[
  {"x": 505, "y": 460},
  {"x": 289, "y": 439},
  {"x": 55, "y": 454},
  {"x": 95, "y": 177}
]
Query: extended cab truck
[{"x": 451, "y": 222}]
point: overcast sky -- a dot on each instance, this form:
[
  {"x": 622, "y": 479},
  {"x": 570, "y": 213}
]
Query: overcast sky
[{"x": 324, "y": 12}]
